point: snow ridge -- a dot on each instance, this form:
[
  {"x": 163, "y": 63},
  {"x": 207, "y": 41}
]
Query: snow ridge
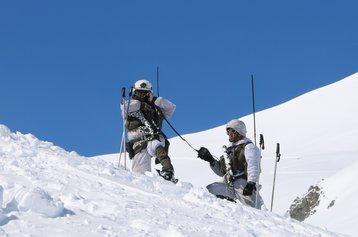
[{"x": 47, "y": 191}]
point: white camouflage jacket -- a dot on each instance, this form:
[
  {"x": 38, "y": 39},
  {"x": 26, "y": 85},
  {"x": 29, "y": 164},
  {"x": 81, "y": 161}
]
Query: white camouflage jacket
[
  {"x": 252, "y": 156},
  {"x": 167, "y": 108}
]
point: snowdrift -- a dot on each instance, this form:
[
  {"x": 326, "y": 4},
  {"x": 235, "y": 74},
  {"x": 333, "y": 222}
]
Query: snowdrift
[{"x": 47, "y": 191}]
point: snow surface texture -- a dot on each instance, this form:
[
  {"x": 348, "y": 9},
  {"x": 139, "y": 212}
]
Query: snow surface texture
[
  {"x": 46, "y": 191},
  {"x": 318, "y": 136}
]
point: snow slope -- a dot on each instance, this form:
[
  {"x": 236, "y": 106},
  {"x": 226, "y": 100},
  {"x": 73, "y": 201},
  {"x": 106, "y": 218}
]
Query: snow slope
[
  {"x": 341, "y": 192},
  {"x": 46, "y": 191},
  {"x": 318, "y": 136}
]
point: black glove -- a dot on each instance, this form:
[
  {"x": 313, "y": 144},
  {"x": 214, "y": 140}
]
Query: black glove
[
  {"x": 249, "y": 188},
  {"x": 204, "y": 154}
]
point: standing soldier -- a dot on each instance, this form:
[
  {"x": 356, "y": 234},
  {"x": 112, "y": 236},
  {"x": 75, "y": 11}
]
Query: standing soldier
[
  {"x": 144, "y": 124},
  {"x": 239, "y": 167}
]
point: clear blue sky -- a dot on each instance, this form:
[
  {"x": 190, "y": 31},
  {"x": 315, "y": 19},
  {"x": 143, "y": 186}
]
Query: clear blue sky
[{"x": 63, "y": 63}]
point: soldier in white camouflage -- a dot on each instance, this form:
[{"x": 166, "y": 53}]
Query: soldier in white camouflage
[
  {"x": 239, "y": 166},
  {"x": 144, "y": 123}
]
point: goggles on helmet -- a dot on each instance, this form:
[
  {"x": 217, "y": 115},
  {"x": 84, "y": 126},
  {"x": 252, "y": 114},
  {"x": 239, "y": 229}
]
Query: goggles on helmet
[
  {"x": 230, "y": 130},
  {"x": 142, "y": 92}
]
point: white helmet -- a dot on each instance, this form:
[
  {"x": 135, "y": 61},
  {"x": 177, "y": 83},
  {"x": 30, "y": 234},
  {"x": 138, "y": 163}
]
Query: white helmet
[
  {"x": 238, "y": 125},
  {"x": 143, "y": 85}
]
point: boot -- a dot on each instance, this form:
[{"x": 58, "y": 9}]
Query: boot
[{"x": 167, "y": 174}]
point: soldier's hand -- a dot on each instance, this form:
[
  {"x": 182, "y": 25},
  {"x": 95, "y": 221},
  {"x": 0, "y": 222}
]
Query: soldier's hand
[
  {"x": 249, "y": 188},
  {"x": 204, "y": 154}
]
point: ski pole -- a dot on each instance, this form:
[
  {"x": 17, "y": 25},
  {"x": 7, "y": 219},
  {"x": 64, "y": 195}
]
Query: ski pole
[
  {"x": 253, "y": 105},
  {"x": 121, "y": 148},
  {"x": 158, "y": 81},
  {"x": 262, "y": 147},
  {"x": 123, "y": 102},
  {"x": 125, "y": 120},
  {"x": 125, "y": 116},
  {"x": 278, "y": 157}
]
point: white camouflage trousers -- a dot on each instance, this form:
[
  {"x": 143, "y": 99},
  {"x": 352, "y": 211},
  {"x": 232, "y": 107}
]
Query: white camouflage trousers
[
  {"x": 235, "y": 192},
  {"x": 142, "y": 161}
]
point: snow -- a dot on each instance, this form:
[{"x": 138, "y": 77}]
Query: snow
[
  {"x": 341, "y": 190},
  {"x": 317, "y": 133},
  {"x": 47, "y": 191}
]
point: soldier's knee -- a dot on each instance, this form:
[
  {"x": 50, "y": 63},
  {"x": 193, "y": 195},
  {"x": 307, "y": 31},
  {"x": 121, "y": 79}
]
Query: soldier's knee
[{"x": 161, "y": 153}]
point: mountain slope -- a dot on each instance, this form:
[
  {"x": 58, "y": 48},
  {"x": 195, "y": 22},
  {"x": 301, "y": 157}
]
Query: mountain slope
[
  {"x": 46, "y": 191},
  {"x": 317, "y": 132},
  {"x": 339, "y": 201}
]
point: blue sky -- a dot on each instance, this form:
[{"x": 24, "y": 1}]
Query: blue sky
[{"x": 63, "y": 63}]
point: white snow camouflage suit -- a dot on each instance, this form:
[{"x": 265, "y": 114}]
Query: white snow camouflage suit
[
  {"x": 245, "y": 161},
  {"x": 144, "y": 123}
]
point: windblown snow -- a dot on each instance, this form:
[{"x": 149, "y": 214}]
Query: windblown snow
[{"x": 47, "y": 191}]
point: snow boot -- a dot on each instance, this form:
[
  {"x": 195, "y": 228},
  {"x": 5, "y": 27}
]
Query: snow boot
[{"x": 168, "y": 175}]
